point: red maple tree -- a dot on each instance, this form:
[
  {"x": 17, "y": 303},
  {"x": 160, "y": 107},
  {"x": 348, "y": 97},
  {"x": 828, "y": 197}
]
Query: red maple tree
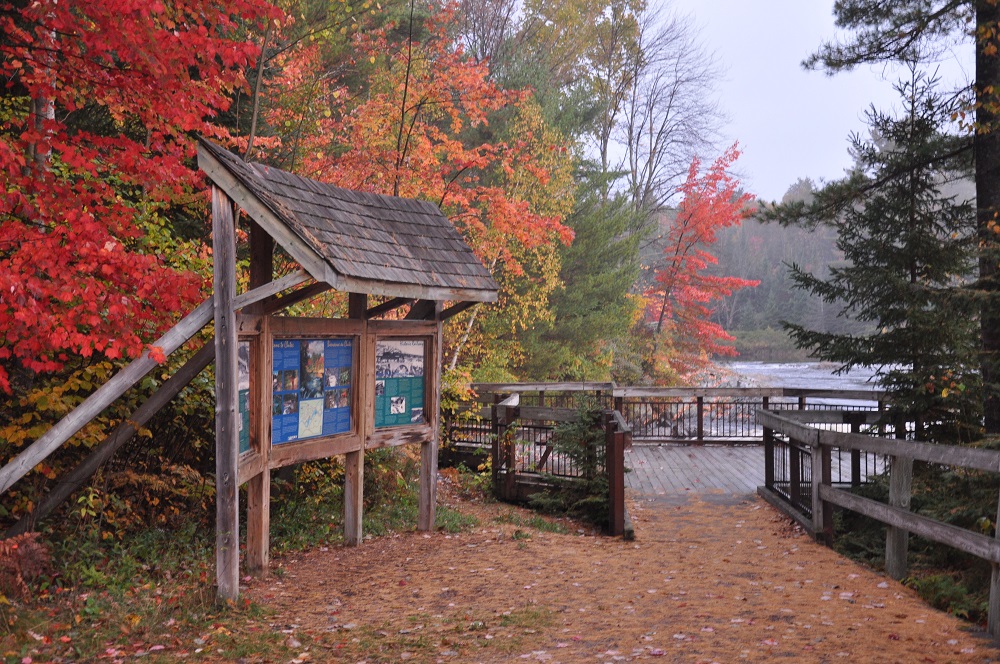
[
  {"x": 679, "y": 301},
  {"x": 97, "y": 118}
]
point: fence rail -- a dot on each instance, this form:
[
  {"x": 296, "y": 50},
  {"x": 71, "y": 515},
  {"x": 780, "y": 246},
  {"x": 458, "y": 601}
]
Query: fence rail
[
  {"x": 821, "y": 446},
  {"x": 688, "y": 415}
]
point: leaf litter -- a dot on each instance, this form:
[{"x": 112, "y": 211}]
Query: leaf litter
[{"x": 583, "y": 597}]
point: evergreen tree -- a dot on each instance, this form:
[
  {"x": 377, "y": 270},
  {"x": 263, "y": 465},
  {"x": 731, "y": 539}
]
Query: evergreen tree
[
  {"x": 909, "y": 248},
  {"x": 592, "y": 312},
  {"x": 900, "y": 31}
]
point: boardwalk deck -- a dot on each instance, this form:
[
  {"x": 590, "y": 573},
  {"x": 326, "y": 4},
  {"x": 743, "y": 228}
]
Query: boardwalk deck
[{"x": 670, "y": 470}]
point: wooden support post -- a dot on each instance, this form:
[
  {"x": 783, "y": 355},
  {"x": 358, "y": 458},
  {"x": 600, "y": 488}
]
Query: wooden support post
[
  {"x": 259, "y": 486},
  {"x": 510, "y": 453},
  {"x": 701, "y": 419},
  {"x": 897, "y": 539},
  {"x": 822, "y": 512},
  {"x": 354, "y": 462},
  {"x": 227, "y": 536},
  {"x": 427, "y": 499},
  {"x": 614, "y": 463},
  {"x": 116, "y": 439},
  {"x": 102, "y": 397},
  {"x": 993, "y": 617},
  {"x": 769, "y": 458},
  {"x": 259, "y": 523},
  {"x": 496, "y": 433},
  {"x": 354, "y": 480}
]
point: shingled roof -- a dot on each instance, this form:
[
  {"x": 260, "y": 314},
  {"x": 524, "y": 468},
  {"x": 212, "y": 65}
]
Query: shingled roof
[{"x": 354, "y": 241}]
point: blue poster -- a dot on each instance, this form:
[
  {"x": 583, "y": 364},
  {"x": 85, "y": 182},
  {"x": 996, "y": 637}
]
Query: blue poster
[{"x": 311, "y": 387}]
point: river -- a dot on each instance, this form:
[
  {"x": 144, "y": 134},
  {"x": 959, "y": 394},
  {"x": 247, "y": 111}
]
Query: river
[{"x": 810, "y": 375}]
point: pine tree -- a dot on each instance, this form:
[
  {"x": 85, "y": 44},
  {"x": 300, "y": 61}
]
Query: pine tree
[
  {"x": 899, "y": 31},
  {"x": 909, "y": 248}
]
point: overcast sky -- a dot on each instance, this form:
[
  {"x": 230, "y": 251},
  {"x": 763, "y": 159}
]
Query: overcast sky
[{"x": 791, "y": 123}]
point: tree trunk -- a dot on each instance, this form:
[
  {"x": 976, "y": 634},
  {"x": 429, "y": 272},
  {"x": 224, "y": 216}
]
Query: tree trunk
[{"x": 987, "y": 151}]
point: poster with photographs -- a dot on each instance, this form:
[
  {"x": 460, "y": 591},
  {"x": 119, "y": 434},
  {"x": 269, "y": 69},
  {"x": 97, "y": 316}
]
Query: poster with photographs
[
  {"x": 399, "y": 382},
  {"x": 311, "y": 388},
  {"x": 243, "y": 391}
]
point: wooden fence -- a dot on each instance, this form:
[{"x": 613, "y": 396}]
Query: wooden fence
[
  {"x": 822, "y": 493},
  {"x": 523, "y": 458}
]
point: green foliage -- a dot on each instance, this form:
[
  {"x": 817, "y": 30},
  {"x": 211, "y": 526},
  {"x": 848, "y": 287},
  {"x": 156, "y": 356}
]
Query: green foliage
[
  {"x": 909, "y": 249},
  {"x": 587, "y": 496},
  {"x": 593, "y": 311},
  {"x": 945, "y": 577}
]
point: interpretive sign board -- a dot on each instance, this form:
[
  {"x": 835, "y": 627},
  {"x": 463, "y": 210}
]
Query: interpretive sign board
[
  {"x": 399, "y": 382},
  {"x": 243, "y": 394},
  {"x": 311, "y": 388}
]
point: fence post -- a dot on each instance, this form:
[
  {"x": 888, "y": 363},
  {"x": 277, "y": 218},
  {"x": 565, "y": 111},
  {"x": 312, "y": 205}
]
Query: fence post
[
  {"x": 822, "y": 512},
  {"x": 495, "y": 432},
  {"x": 701, "y": 419},
  {"x": 993, "y": 617},
  {"x": 614, "y": 464},
  {"x": 794, "y": 473},
  {"x": 769, "y": 458},
  {"x": 897, "y": 539}
]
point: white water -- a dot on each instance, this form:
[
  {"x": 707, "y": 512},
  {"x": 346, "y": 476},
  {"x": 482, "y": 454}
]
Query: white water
[{"x": 809, "y": 375}]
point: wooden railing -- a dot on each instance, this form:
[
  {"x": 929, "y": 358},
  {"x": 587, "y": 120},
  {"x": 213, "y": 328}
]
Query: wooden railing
[
  {"x": 690, "y": 415},
  {"x": 522, "y": 455},
  {"x": 794, "y": 428}
]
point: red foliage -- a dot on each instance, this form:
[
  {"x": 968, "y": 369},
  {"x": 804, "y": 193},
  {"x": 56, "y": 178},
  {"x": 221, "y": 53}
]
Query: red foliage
[
  {"x": 680, "y": 300},
  {"x": 96, "y": 123}
]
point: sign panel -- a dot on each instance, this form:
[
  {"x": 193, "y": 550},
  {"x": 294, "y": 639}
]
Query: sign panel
[
  {"x": 311, "y": 388},
  {"x": 399, "y": 382},
  {"x": 243, "y": 387}
]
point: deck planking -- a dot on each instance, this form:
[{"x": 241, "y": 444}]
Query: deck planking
[{"x": 663, "y": 470}]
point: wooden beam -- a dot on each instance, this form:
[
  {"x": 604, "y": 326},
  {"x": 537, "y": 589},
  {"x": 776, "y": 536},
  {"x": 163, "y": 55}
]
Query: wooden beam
[
  {"x": 267, "y": 290},
  {"x": 227, "y": 523},
  {"x": 116, "y": 439},
  {"x": 422, "y": 310},
  {"x": 389, "y": 305},
  {"x": 285, "y": 301},
  {"x": 357, "y": 306},
  {"x": 311, "y": 449},
  {"x": 299, "y": 250},
  {"x": 978, "y": 545},
  {"x": 261, "y": 256},
  {"x": 259, "y": 484},
  {"x": 456, "y": 309},
  {"x": 427, "y": 497},
  {"x": 103, "y": 397}
]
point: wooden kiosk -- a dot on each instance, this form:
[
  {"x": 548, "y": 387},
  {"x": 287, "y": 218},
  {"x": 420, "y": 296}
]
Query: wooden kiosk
[{"x": 290, "y": 390}]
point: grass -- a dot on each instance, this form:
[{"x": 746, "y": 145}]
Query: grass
[
  {"x": 535, "y": 521},
  {"x": 150, "y": 593}
]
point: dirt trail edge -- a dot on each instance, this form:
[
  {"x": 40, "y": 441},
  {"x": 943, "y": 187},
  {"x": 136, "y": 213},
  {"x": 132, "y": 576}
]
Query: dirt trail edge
[{"x": 705, "y": 581}]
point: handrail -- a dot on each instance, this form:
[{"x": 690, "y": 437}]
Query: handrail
[
  {"x": 949, "y": 455},
  {"x": 896, "y": 513},
  {"x": 652, "y": 391}
]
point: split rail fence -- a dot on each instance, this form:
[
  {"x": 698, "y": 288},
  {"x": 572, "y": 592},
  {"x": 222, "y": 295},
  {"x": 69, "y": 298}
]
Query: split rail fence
[{"x": 811, "y": 488}]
